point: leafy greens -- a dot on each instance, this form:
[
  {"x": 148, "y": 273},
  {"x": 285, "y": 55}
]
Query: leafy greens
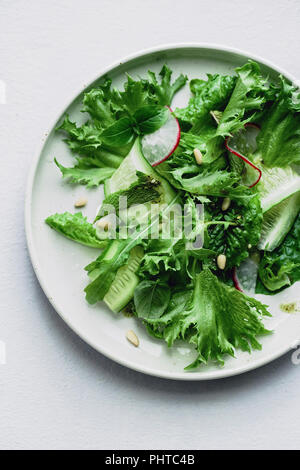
[{"x": 175, "y": 284}]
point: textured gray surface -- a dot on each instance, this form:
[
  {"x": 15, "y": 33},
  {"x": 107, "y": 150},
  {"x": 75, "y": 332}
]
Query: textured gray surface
[{"x": 55, "y": 391}]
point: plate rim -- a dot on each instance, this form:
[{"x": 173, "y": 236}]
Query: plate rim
[{"x": 184, "y": 376}]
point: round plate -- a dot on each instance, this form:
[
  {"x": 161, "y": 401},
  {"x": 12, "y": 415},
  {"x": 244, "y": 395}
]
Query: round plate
[{"x": 59, "y": 263}]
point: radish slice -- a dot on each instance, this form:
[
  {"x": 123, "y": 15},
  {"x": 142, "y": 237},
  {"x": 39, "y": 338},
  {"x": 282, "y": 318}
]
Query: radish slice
[
  {"x": 161, "y": 144},
  {"x": 246, "y": 140},
  {"x": 245, "y": 276}
]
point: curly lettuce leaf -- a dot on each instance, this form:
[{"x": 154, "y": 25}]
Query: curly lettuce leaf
[
  {"x": 116, "y": 117},
  {"x": 217, "y": 319},
  {"x": 163, "y": 255},
  {"x": 86, "y": 141},
  {"x": 250, "y": 94},
  {"x": 208, "y": 95},
  {"x": 164, "y": 91},
  {"x": 76, "y": 228},
  {"x": 84, "y": 175},
  {"x": 102, "y": 104},
  {"x": 204, "y": 180}
]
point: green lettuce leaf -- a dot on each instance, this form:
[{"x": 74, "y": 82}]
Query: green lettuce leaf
[
  {"x": 250, "y": 94},
  {"x": 84, "y": 175},
  {"x": 163, "y": 255},
  {"x": 164, "y": 91},
  {"x": 279, "y": 138},
  {"x": 76, "y": 228},
  {"x": 203, "y": 180},
  {"x": 281, "y": 267},
  {"x": 102, "y": 104},
  {"x": 116, "y": 117},
  {"x": 208, "y": 95},
  {"x": 151, "y": 298},
  {"x": 86, "y": 141},
  {"x": 217, "y": 319},
  {"x": 103, "y": 271}
]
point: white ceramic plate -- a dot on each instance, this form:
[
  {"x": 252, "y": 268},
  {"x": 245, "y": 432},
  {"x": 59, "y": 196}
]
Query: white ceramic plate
[{"x": 59, "y": 263}]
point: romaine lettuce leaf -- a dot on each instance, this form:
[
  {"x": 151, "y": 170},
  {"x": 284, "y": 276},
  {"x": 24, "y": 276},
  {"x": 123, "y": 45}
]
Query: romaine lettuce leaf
[
  {"x": 279, "y": 138},
  {"x": 277, "y": 223},
  {"x": 281, "y": 267},
  {"x": 76, "y": 228}
]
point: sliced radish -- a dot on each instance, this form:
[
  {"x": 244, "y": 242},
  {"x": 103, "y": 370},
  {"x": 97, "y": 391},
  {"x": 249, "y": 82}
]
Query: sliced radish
[
  {"x": 245, "y": 141},
  {"x": 245, "y": 276},
  {"x": 161, "y": 144}
]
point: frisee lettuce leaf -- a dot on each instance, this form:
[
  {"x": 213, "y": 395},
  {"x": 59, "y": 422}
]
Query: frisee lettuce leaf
[
  {"x": 217, "y": 319},
  {"x": 208, "y": 95},
  {"x": 116, "y": 117},
  {"x": 87, "y": 176},
  {"x": 163, "y": 92},
  {"x": 250, "y": 94}
]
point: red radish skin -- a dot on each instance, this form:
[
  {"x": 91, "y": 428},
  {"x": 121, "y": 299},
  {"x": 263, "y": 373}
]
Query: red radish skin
[
  {"x": 235, "y": 281},
  {"x": 245, "y": 275},
  {"x": 176, "y": 143},
  {"x": 237, "y": 154}
]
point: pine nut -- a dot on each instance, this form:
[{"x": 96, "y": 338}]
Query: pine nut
[
  {"x": 103, "y": 224},
  {"x": 198, "y": 156},
  {"x": 132, "y": 338},
  {"x": 81, "y": 202},
  {"x": 221, "y": 261},
  {"x": 226, "y": 203},
  {"x": 215, "y": 117}
]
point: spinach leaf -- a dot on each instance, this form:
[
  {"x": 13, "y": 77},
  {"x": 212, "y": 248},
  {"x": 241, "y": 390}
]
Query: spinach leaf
[{"x": 151, "y": 298}]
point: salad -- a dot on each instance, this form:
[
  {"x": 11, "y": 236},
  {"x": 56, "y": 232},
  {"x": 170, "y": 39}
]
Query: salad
[{"x": 201, "y": 205}]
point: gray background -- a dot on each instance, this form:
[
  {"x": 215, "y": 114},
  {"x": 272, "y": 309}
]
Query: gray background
[{"x": 55, "y": 391}]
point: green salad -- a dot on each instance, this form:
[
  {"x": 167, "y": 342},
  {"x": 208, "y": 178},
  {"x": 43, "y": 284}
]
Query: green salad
[{"x": 201, "y": 205}]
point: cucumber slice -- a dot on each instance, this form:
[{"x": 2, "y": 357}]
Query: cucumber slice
[
  {"x": 278, "y": 221},
  {"x": 125, "y": 175},
  {"x": 122, "y": 289},
  {"x": 276, "y": 185},
  {"x": 107, "y": 254}
]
